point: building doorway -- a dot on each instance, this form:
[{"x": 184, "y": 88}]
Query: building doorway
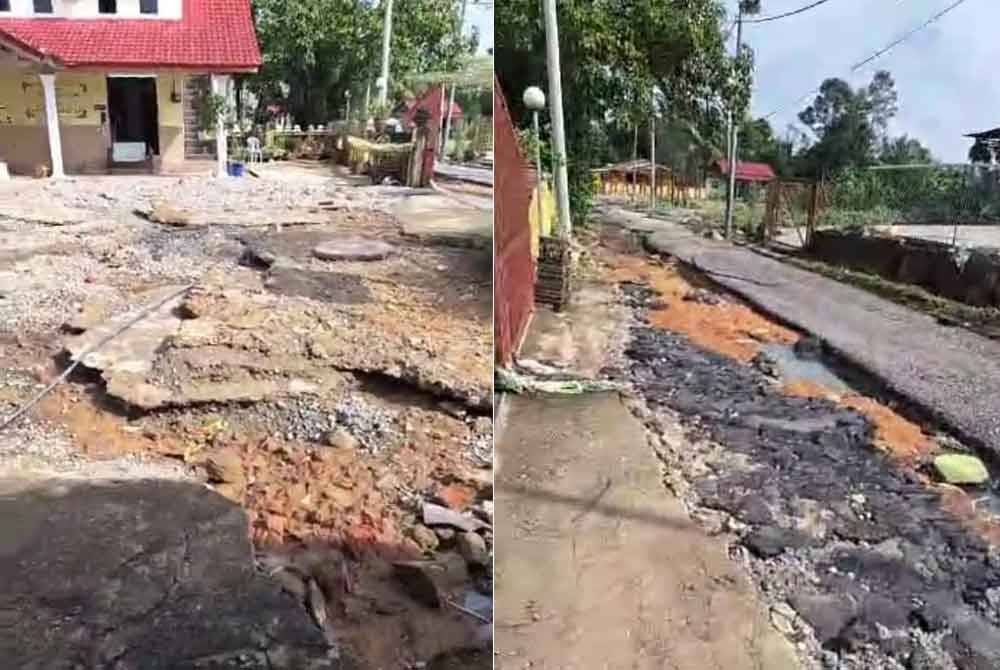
[{"x": 134, "y": 118}]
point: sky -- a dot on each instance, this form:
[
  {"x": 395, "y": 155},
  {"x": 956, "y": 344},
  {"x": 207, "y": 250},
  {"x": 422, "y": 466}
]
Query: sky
[
  {"x": 944, "y": 74},
  {"x": 481, "y": 16}
]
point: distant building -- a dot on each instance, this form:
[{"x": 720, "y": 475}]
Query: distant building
[
  {"x": 746, "y": 171},
  {"x": 984, "y": 149},
  {"x": 87, "y": 84}
]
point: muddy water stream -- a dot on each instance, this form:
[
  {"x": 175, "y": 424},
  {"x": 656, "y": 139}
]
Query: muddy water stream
[{"x": 793, "y": 367}]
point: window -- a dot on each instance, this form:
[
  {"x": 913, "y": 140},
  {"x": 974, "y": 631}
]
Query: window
[
  {"x": 4, "y": 5},
  {"x": 149, "y": 6},
  {"x": 43, "y": 6},
  {"x": 107, "y": 6}
]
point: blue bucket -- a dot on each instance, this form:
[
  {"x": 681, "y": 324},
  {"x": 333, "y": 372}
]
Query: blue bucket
[{"x": 235, "y": 169}]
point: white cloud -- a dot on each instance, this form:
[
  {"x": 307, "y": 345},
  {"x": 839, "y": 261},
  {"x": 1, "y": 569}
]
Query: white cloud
[
  {"x": 944, "y": 74},
  {"x": 481, "y": 16}
]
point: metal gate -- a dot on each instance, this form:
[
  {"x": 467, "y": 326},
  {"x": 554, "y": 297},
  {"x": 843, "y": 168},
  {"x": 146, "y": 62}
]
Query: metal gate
[{"x": 513, "y": 266}]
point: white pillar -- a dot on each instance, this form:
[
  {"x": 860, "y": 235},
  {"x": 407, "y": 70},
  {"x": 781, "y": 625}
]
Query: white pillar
[
  {"x": 383, "y": 92},
  {"x": 52, "y": 124},
  {"x": 220, "y": 87}
]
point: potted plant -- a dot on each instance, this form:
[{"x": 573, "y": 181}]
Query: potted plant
[
  {"x": 210, "y": 107},
  {"x": 380, "y": 112}
]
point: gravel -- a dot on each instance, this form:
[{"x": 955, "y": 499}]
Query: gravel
[
  {"x": 49, "y": 270},
  {"x": 34, "y": 448},
  {"x": 104, "y": 195},
  {"x": 879, "y": 575},
  {"x": 373, "y": 426}
]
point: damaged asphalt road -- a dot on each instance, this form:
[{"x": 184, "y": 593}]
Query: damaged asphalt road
[
  {"x": 863, "y": 565},
  {"x": 953, "y": 374}
]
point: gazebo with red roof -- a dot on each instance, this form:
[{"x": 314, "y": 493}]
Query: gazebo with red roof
[
  {"x": 86, "y": 86},
  {"x": 746, "y": 171}
]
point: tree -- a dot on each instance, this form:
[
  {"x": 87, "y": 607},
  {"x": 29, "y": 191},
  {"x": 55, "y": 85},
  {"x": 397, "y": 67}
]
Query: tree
[
  {"x": 614, "y": 54},
  {"x": 314, "y": 51},
  {"x": 904, "y": 150},
  {"x": 882, "y": 102},
  {"x": 847, "y": 124},
  {"x": 980, "y": 152},
  {"x": 759, "y": 143}
]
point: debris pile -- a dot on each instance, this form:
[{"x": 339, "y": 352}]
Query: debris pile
[
  {"x": 864, "y": 566},
  {"x": 330, "y": 394}
]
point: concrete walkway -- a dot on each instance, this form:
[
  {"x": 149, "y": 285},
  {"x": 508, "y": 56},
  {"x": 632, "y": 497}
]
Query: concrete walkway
[
  {"x": 597, "y": 566},
  {"x": 442, "y": 219},
  {"x": 951, "y": 373}
]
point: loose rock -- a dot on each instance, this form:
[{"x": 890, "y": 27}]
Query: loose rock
[
  {"x": 961, "y": 469},
  {"x": 425, "y": 538},
  {"x": 168, "y": 215},
  {"x": 472, "y": 547},
  {"x": 339, "y": 438},
  {"x": 436, "y": 515},
  {"x": 225, "y": 466}
]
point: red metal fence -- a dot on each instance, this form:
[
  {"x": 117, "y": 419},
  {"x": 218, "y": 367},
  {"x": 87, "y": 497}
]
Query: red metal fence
[{"x": 513, "y": 267}]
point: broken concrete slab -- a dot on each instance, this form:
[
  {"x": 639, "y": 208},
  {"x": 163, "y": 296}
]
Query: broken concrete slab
[
  {"x": 353, "y": 249},
  {"x": 148, "y": 574},
  {"x": 435, "y": 219},
  {"x": 221, "y": 345},
  {"x": 166, "y": 214},
  {"x": 125, "y": 360}
]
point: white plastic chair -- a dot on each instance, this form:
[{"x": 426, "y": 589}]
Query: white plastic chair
[{"x": 254, "y": 153}]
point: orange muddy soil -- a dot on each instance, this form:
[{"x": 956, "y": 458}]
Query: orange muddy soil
[{"x": 733, "y": 329}]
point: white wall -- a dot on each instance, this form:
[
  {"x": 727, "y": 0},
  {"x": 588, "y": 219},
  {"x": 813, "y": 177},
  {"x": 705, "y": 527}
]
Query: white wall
[{"x": 87, "y": 9}]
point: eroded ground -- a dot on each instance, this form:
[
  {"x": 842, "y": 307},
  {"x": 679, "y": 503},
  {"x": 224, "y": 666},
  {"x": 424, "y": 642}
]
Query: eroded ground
[
  {"x": 332, "y": 400},
  {"x": 823, "y": 485}
]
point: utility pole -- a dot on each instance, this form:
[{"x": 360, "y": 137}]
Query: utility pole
[
  {"x": 652, "y": 156},
  {"x": 733, "y": 136},
  {"x": 635, "y": 163},
  {"x": 556, "y": 113},
  {"x": 383, "y": 93},
  {"x": 368, "y": 105},
  {"x": 451, "y": 98}
]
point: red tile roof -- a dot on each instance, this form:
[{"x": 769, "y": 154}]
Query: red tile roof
[
  {"x": 214, "y": 35},
  {"x": 747, "y": 171},
  {"x": 432, "y": 102}
]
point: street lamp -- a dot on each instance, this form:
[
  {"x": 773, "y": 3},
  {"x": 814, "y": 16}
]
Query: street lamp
[{"x": 534, "y": 99}]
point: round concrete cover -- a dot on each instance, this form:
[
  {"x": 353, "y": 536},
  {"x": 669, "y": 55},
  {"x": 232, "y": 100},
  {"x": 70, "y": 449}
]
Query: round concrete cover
[{"x": 353, "y": 249}]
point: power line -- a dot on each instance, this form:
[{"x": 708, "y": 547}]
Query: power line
[
  {"x": 878, "y": 54},
  {"x": 765, "y": 19}
]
